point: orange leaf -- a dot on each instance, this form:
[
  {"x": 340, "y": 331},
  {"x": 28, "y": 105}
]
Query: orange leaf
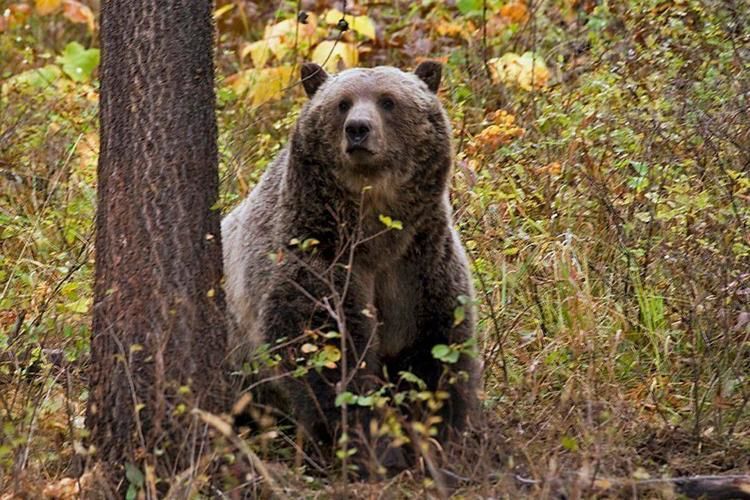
[
  {"x": 445, "y": 28},
  {"x": 552, "y": 169},
  {"x": 44, "y": 7},
  {"x": 15, "y": 15},
  {"x": 514, "y": 12},
  {"x": 78, "y": 13}
]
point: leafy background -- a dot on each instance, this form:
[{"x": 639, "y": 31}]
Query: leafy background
[{"x": 602, "y": 188}]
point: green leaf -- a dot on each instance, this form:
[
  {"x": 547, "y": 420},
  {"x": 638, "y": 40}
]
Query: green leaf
[
  {"x": 440, "y": 350},
  {"x": 134, "y": 475},
  {"x": 459, "y": 315},
  {"x": 638, "y": 183},
  {"x": 345, "y": 398},
  {"x": 365, "y": 400},
  {"x": 39, "y": 78},
  {"x": 341, "y": 454},
  {"x": 80, "y": 306},
  {"x": 469, "y": 6},
  {"x": 639, "y": 167},
  {"x": 308, "y": 244},
  {"x": 78, "y": 63},
  {"x": 413, "y": 379},
  {"x": 445, "y": 353},
  {"x": 390, "y": 223},
  {"x": 569, "y": 443}
]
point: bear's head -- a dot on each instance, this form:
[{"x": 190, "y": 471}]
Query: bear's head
[{"x": 372, "y": 126}]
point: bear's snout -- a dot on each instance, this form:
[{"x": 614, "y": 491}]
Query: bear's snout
[
  {"x": 357, "y": 131},
  {"x": 361, "y": 133}
]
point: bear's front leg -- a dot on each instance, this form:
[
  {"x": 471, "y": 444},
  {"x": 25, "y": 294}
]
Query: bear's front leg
[
  {"x": 320, "y": 319},
  {"x": 458, "y": 379},
  {"x": 443, "y": 282}
]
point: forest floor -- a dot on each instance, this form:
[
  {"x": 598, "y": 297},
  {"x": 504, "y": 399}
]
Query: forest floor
[{"x": 602, "y": 189}]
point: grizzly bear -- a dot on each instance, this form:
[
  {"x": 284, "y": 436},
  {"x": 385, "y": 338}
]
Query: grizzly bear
[{"x": 350, "y": 231}]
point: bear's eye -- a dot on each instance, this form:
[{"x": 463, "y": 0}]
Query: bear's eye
[
  {"x": 344, "y": 105},
  {"x": 387, "y": 103}
]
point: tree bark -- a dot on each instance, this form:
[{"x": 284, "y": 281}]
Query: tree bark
[{"x": 159, "y": 335}]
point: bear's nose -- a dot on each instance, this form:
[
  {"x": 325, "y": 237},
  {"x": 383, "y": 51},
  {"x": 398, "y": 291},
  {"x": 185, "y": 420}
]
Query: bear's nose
[{"x": 357, "y": 131}]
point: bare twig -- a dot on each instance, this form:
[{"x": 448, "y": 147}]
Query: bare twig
[{"x": 226, "y": 430}]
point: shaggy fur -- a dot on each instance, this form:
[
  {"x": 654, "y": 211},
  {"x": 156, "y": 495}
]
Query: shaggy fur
[{"x": 400, "y": 288}]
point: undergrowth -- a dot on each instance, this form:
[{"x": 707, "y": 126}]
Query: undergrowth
[{"x": 604, "y": 201}]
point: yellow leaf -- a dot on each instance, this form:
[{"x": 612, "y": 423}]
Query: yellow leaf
[
  {"x": 505, "y": 68},
  {"x": 280, "y": 37},
  {"x": 363, "y": 25},
  {"x": 44, "y": 7},
  {"x": 332, "y": 16},
  {"x": 527, "y": 70},
  {"x": 328, "y": 53},
  {"x": 280, "y": 29},
  {"x": 534, "y": 71},
  {"x": 261, "y": 84},
  {"x": 332, "y": 353},
  {"x": 308, "y": 32},
  {"x": 270, "y": 84},
  {"x": 308, "y": 348},
  {"x": 332, "y": 356},
  {"x": 245, "y": 50},
  {"x": 274, "y": 38},
  {"x": 79, "y": 13},
  {"x": 259, "y": 52},
  {"x": 223, "y": 10}
]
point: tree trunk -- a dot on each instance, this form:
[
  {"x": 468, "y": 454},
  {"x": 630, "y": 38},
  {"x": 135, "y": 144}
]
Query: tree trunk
[{"x": 159, "y": 335}]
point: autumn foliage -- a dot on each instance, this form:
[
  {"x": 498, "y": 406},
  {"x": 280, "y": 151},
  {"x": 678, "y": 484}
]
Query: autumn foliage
[{"x": 601, "y": 186}]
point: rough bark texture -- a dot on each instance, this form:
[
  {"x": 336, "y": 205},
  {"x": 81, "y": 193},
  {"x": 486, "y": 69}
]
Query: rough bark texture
[{"x": 159, "y": 309}]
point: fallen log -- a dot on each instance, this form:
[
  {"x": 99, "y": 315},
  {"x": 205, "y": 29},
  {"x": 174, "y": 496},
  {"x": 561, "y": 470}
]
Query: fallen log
[
  {"x": 729, "y": 487},
  {"x": 715, "y": 487}
]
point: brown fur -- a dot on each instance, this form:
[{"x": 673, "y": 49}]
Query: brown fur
[{"x": 402, "y": 286}]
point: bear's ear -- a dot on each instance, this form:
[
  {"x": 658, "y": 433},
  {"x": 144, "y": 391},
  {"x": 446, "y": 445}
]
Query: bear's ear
[
  {"x": 313, "y": 77},
  {"x": 430, "y": 73}
]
